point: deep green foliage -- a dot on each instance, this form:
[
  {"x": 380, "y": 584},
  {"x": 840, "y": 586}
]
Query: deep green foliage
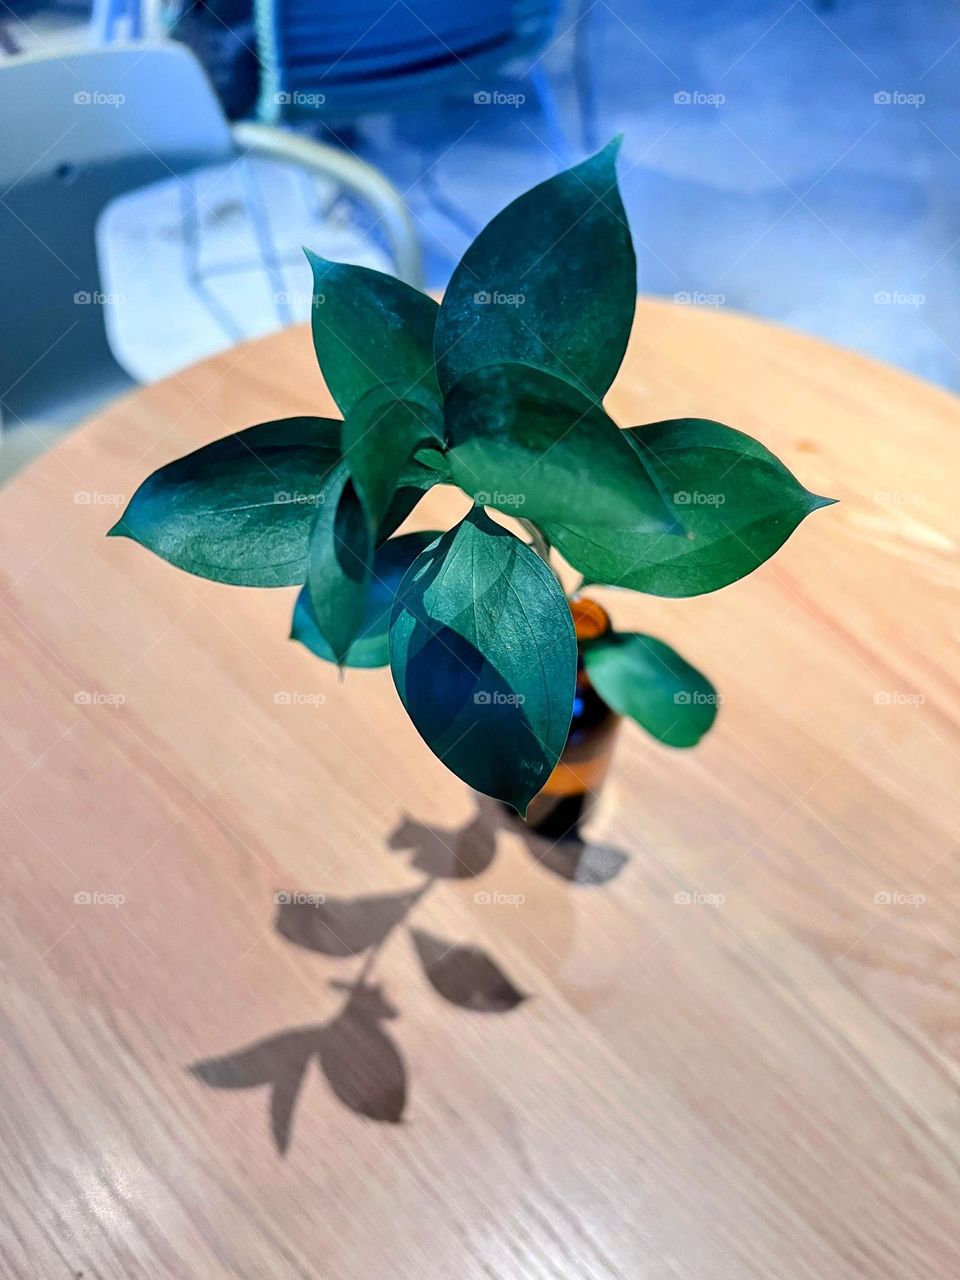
[{"x": 498, "y": 391}]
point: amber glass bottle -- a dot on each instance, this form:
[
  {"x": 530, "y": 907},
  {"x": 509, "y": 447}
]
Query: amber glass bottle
[{"x": 572, "y": 788}]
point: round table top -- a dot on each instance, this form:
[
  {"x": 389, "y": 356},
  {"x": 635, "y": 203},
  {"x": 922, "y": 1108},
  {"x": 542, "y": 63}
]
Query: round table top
[{"x": 737, "y": 1055}]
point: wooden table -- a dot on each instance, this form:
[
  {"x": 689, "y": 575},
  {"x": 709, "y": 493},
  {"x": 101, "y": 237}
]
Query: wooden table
[{"x": 739, "y": 1054}]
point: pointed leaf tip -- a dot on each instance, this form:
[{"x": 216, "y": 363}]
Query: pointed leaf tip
[
  {"x": 606, "y": 157},
  {"x": 562, "y": 251},
  {"x": 738, "y": 502},
  {"x": 223, "y": 511},
  {"x": 370, "y": 329}
]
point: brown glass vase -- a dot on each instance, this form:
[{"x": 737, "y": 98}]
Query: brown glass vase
[{"x": 572, "y": 789}]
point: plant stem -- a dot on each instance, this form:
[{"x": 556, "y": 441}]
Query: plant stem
[
  {"x": 370, "y": 958},
  {"x": 541, "y": 546}
]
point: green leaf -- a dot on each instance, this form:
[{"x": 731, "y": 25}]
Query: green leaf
[
  {"x": 370, "y": 648},
  {"x": 737, "y": 503},
  {"x": 434, "y": 460},
  {"x": 484, "y": 657},
  {"x": 341, "y": 553},
  {"x": 645, "y": 679},
  {"x": 402, "y": 503},
  {"x": 380, "y": 436},
  {"x": 239, "y": 510},
  {"x": 531, "y": 445},
  {"x": 415, "y": 480},
  {"x": 338, "y": 569},
  {"x": 368, "y": 329},
  {"x": 550, "y": 282}
]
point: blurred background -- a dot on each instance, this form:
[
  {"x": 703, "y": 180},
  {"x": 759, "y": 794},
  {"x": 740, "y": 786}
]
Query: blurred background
[{"x": 162, "y": 163}]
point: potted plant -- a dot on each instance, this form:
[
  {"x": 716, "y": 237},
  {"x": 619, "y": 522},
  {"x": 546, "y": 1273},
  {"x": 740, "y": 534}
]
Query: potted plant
[{"x": 497, "y": 390}]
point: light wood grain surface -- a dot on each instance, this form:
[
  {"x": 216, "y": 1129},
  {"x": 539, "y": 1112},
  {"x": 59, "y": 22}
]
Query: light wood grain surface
[{"x": 738, "y": 1057}]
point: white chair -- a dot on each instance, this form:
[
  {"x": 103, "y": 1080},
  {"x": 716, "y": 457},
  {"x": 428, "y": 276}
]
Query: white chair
[{"x": 77, "y": 130}]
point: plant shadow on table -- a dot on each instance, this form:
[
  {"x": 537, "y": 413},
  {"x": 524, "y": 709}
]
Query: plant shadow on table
[{"x": 354, "y": 1050}]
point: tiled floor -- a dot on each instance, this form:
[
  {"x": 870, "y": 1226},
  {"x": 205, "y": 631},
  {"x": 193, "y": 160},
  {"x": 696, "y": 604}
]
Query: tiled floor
[{"x": 794, "y": 160}]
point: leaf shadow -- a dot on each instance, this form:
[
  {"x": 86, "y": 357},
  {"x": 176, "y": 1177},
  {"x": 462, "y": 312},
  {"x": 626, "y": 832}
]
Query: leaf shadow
[
  {"x": 279, "y": 1061},
  {"x": 561, "y": 846},
  {"x": 342, "y": 926},
  {"x": 447, "y": 854},
  {"x": 465, "y": 975},
  {"x": 354, "y": 1051},
  {"x": 358, "y": 1058},
  {"x": 580, "y": 862}
]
